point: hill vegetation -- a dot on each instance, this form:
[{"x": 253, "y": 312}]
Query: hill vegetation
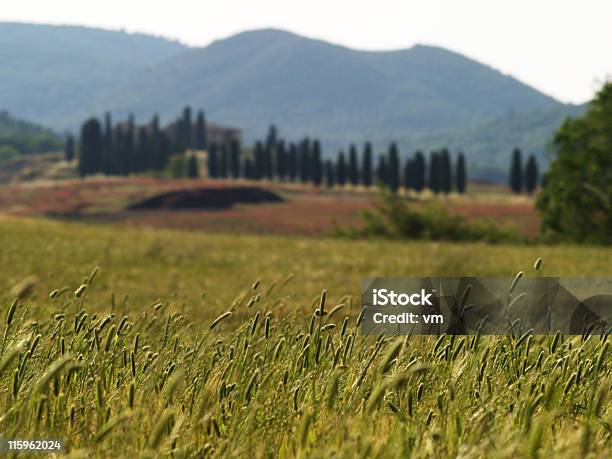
[{"x": 18, "y": 136}]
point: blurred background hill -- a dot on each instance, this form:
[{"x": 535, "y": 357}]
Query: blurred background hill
[{"x": 423, "y": 97}]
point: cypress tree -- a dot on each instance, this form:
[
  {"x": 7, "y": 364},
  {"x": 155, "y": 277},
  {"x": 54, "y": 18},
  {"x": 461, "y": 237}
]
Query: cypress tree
[
  {"x": 223, "y": 162},
  {"x": 107, "y": 149},
  {"x": 353, "y": 166},
  {"x": 434, "y": 172},
  {"x": 271, "y": 138},
  {"x": 259, "y": 169},
  {"x": 130, "y": 146},
  {"x": 157, "y": 152},
  {"x": 531, "y": 174},
  {"x": 164, "y": 150},
  {"x": 446, "y": 172},
  {"x": 108, "y": 131},
  {"x": 201, "y": 131},
  {"x": 193, "y": 168},
  {"x": 248, "y": 169},
  {"x": 268, "y": 163},
  {"x": 419, "y": 171},
  {"x": 213, "y": 161},
  {"x": 461, "y": 174},
  {"x": 91, "y": 147},
  {"x": 329, "y": 173},
  {"x": 382, "y": 171},
  {"x": 69, "y": 151},
  {"x": 408, "y": 176},
  {"x": 341, "y": 170},
  {"x": 367, "y": 165},
  {"x": 142, "y": 162},
  {"x": 393, "y": 167},
  {"x": 292, "y": 162},
  {"x": 304, "y": 163},
  {"x": 281, "y": 160},
  {"x": 516, "y": 172},
  {"x": 315, "y": 163},
  {"x": 235, "y": 159},
  {"x": 187, "y": 141}
]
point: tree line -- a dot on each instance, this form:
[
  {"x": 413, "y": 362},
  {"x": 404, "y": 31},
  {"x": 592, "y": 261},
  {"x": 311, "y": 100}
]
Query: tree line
[
  {"x": 303, "y": 161},
  {"x": 126, "y": 148}
]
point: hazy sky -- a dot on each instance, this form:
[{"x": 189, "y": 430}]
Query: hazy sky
[{"x": 561, "y": 47}]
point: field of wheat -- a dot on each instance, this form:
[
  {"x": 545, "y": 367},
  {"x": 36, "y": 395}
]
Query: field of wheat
[{"x": 122, "y": 342}]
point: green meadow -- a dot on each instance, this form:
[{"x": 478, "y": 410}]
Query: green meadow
[{"x": 121, "y": 340}]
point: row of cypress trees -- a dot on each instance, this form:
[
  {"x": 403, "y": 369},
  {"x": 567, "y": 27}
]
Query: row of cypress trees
[
  {"x": 523, "y": 178},
  {"x": 127, "y": 148},
  {"x": 274, "y": 158}
]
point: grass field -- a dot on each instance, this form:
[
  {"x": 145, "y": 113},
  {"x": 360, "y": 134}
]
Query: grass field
[{"x": 174, "y": 348}]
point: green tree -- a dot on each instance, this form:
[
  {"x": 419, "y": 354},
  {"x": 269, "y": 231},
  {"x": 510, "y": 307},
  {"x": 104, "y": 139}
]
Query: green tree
[
  {"x": 531, "y": 174},
  {"x": 316, "y": 166},
  {"x": 367, "y": 165},
  {"x": 304, "y": 164},
  {"x": 193, "y": 167},
  {"x": 419, "y": 171},
  {"x": 516, "y": 171},
  {"x": 576, "y": 201},
  {"x": 408, "y": 175},
  {"x": 268, "y": 162},
  {"x": 235, "y": 158},
  {"x": 382, "y": 171},
  {"x": 177, "y": 166},
  {"x": 91, "y": 147},
  {"x": 200, "y": 131},
  {"x": 434, "y": 181},
  {"x": 446, "y": 173},
  {"x": 461, "y": 177},
  {"x": 393, "y": 167},
  {"x": 213, "y": 161},
  {"x": 259, "y": 169},
  {"x": 353, "y": 166},
  {"x": 281, "y": 160},
  {"x": 329, "y": 173},
  {"x": 292, "y": 162},
  {"x": 187, "y": 135},
  {"x": 223, "y": 162},
  {"x": 69, "y": 151},
  {"x": 341, "y": 169},
  {"x": 130, "y": 146}
]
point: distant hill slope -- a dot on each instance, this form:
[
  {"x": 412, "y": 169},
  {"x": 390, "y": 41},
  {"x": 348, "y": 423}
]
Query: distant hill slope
[
  {"x": 18, "y": 136},
  {"x": 489, "y": 144},
  {"x": 313, "y": 87},
  {"x": 423, "y": 96},
  {"x": 54, "y": 74}
]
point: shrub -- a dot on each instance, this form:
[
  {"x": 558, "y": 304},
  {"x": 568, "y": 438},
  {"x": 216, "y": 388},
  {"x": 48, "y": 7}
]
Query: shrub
[{"x": 397, "y": 218}]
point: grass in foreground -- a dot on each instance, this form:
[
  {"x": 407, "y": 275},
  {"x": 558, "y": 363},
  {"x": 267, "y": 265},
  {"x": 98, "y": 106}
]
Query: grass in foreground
[
  {"x": 202, "y": 274},
  {"x": 257, "y": 372},
  {"x": 283, "y": 385}
]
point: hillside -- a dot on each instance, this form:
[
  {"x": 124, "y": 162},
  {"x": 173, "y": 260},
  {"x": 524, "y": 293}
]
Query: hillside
[
  {"x": 54, "y": 74},
  {"x": 19, "y": 136},
  {"x": 490, "y": 143},
  {"x": 311, "y": 87},
  {"x": 424, "y": 96}
]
